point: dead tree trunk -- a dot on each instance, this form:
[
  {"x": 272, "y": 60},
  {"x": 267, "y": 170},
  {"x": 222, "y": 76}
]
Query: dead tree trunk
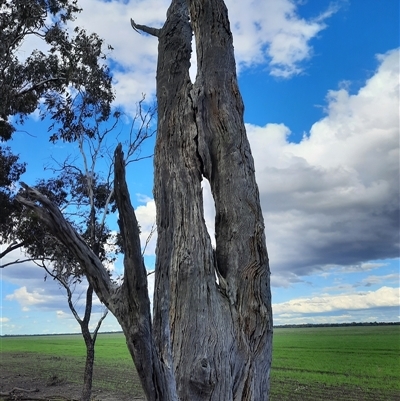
[
  {"x": 200, "y": 134},
  {"x": 211, "y": 339}
]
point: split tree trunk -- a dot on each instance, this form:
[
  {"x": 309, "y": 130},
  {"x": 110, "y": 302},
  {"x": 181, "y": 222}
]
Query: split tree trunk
[
  {"x": 218, "y": 333},
  {"x": 211, "y": 339}
]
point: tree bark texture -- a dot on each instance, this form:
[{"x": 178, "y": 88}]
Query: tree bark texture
[
  {"x": 129, "y": 303},
  {"x": 89, "y": 338},
  {"x": 89, "y": 363},
  {"x": 219, "y": 334},
  {"x": 211, "y": 335}
]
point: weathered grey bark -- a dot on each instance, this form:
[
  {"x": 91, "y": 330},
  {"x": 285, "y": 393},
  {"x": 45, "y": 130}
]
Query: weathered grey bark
[
  {"x": 129, "y": 303},
  {"x": 200, "y": 134},
  {"x": 211, "y": 339}
]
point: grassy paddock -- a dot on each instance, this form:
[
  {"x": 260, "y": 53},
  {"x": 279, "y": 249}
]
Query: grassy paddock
[
  {"x": 346, "y": 363},
  {"x": 356, "y": 359}
]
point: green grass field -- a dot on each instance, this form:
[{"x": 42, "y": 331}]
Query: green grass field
[
  {"x": 361, "y": 361},
  {"x": 339, "y": 363}
]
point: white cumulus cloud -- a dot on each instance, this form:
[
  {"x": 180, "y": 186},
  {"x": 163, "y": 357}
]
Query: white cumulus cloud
[
  {"x": 146, "y": 216},
  {"x": 333, "y": 198},
  {"x": 29, "y": 298},
  {"x": 383, "y": 297},
  {"x": 272, "y": 31},
  {"x": 265, "y": 31}
]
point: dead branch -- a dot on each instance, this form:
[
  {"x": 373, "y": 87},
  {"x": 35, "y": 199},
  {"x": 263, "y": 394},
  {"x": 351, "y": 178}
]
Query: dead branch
[
  {"x": 12, "y": 247},
  {"x": 18, "y": 389},
  {"x": 146, "y": 29},
  {"x": 50, "y": 215}
]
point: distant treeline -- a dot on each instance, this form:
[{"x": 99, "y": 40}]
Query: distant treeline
[
  {"x": 56, "y": 334},
  {"x": 293, "y": 326},
  {"x": 286, "y": 326}
]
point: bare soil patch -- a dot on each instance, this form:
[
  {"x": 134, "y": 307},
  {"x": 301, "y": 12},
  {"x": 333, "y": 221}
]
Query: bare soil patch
[
  {"x": 23, "y": 387},
  {"x": 59, "y": 379}
]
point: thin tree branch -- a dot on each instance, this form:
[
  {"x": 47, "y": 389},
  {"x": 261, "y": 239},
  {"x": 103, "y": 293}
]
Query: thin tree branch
[
  {"x": 38, "y": 85},
  {"x": 96, "y": 330},
  {"x": 50, "y": 215},
  {"x": 16, "y": 262},
  {"x": 89, "y": 304},
  {"x": 152, "y": 231},
  {"x": 12, "y": 247},
  {"x": 146, "y": 29},
  {"x": 139, "y": 159},
  {"x": 67, "y": 288}
]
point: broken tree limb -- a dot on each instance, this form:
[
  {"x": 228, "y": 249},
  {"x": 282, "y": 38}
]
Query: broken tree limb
[
  {"x": 51, "y": 216},
  {"x": 129, "y": 302},
  {"x": 134, "y": 306},
  {"x": 19, "y": 390},
  {"x": 144, "y": 28}
]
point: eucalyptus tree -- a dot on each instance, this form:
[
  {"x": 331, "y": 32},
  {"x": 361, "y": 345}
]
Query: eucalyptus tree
[
  {"x": 64, "y": 60},
  {"x": 70, "y": 191},
  {"x": 68, "y": 58},
  {"x": 210, "y": 337},
  {"x": 11, "y": 170},
  {"x": 82, "y": 187},
  {"x": 67, "y": 79}
]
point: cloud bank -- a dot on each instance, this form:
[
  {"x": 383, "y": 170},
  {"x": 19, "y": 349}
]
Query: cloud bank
[
  {"x": 333, "y": 198},
  {"x": 383, "y": 297},
  {"x": 368, "y": 306}
]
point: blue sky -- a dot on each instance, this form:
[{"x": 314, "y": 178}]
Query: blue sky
[{"x": 320, "y": 82}]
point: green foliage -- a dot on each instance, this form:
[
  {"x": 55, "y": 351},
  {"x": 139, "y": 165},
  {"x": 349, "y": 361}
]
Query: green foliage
[
  {"x": 72, "y": 193},
  {"x": 69, "y": 81},
  {"x": 72, "y": 62},
  {"x": 10, "y": 171}
]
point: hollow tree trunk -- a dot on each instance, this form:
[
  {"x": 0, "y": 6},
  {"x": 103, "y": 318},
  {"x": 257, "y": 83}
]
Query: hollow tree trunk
[
  {"x": 211, "y": 340},
  {"x": 219, "y": 334}
]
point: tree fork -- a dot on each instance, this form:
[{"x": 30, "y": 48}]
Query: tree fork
[
  {"x": 129, "y": 303},
  {"x": 210, "y": 340},
  {"x": 201, "y": 133}
]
